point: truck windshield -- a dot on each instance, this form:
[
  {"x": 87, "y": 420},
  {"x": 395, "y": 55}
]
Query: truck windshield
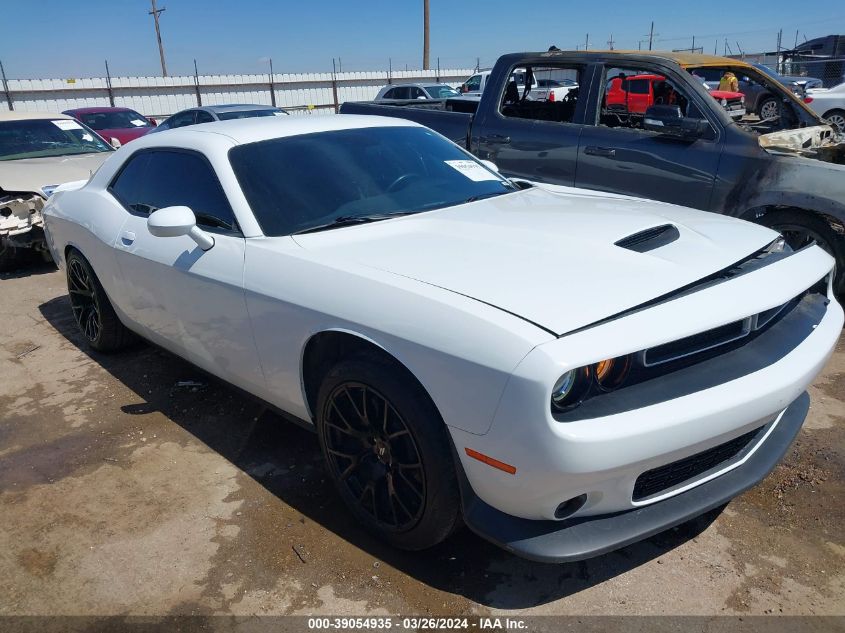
[
  {"x": 41, "y": 138},
  {"x": 300, "y": 182}
]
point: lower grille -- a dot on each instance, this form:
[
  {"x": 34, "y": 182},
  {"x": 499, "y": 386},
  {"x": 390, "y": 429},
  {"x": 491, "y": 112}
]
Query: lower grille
[{"x": 665, "y": 477}]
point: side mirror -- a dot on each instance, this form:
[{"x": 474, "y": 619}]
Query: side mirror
[
  {"x": 178, "y": 221},
  {"x": 489, "y": 164},
  {"x": 667, "y": 120},
  {"x": 115, "y": 143}
]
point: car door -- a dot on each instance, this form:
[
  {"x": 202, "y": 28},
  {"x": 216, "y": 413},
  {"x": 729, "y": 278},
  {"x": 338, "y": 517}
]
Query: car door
[
  {"x": 535, "y": 140},
  {"x": 615, "y": 154},
  {"x": 187, "y": 300}
]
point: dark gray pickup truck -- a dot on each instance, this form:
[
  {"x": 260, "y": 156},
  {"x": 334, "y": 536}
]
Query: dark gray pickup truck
[{"x": 644, "y": 124}]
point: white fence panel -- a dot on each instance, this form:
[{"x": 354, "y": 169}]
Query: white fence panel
[{"x": 309, "y": 93}]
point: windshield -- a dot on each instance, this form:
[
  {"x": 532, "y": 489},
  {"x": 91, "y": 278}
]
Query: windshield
[
  {"x": 770, "y": 107},
  {"x": 300, "y": 182},
  {"x": 441, "y": 92},
  {"x": 40, "y": 138},
  {"x": 248, "y": 114},
  {"x": 114, "y": 120}
]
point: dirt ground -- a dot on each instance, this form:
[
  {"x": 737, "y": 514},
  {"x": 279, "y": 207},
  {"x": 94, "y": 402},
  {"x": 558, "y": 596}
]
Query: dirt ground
[{"x": 123, "y": 494}]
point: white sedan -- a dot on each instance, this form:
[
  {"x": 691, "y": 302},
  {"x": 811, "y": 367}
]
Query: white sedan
[
  {"x": 568, "y": 371},
  {"x": 828, "y": 103}
]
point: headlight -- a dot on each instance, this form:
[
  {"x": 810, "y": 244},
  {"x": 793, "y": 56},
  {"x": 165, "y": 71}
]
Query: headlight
[
  {"x": 779, "y": 246},
  {"x": 724, "y": 102},
  {"x": 611, "y": 373},
  {"x": 577, "y": 384},
  {"x": 571, "y": 388}
]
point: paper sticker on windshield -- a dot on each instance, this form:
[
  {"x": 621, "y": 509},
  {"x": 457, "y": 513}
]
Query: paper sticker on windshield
[
  {"x": 471, "y": 170},
  {"x": 67, "y": 124},
  {"x": 138, "y": 122}
]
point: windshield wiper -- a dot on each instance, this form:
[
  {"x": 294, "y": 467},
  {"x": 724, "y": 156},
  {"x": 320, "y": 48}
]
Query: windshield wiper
[
  {"x": 349, "y": 220},
  {"x": 492, "y": 194}
]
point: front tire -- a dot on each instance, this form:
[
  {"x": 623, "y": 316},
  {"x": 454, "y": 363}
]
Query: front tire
[
  {"x": 800, "y": 229},
  {"x": 94, "y": 315},
  {"x": 388, "y": 453}
]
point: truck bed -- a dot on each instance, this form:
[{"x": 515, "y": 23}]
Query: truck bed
[{"x": 442, "y": 117}]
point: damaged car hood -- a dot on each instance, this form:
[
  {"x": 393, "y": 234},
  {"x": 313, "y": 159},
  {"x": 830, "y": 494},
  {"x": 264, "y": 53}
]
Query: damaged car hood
[
  {"x": 31, "y": 174},
  {"x": 818, "y": 141},
  {"x": 549, "y": 258}
]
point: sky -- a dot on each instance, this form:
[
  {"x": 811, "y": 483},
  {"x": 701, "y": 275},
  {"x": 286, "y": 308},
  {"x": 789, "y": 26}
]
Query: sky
[{"x": 60, "y": 39}]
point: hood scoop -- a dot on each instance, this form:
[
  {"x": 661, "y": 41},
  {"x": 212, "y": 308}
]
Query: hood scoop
[{"x": 650, "y": 239}]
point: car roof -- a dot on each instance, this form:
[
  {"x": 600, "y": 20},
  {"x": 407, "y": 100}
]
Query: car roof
[
  {"x": 97, "y": 110},
  {"x": 685, "y": 60},
  {"x": 17, "y": 115},
  {"x": 235, "y": 107},
  {"x": 251, "y": 130}
]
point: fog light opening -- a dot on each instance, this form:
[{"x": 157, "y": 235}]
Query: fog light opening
[{"x": 568, "y": 508}]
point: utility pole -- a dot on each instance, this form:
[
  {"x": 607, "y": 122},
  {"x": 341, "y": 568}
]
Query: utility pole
[
  {"x": 777, "y": 59},
  {"x": 425, "y": 34},
  {"x": 155, "y": 13},
  {"x": 651, "y": 35},
  {"x": 610, "y": 42},
  {"x": 693, "y": 44},
  {"x": 587, "y": 42}
]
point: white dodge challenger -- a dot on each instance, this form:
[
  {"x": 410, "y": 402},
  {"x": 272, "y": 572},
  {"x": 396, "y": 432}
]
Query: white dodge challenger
[{"x": 567, "y": 371}]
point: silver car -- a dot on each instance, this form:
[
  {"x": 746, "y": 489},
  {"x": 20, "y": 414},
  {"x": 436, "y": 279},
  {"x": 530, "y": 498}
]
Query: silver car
[
  {"x": 208, "y": 114},
  {"x": 406, "y": 92}
]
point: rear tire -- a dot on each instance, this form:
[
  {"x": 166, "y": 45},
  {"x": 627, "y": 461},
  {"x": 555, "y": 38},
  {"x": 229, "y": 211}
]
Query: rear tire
[
  {"x": 769, "y": 108},
  {"x": 388, "y": 453},
  {"x": 837, "y": 118},
  {"x": 800, "y": 228},
  {"x": 94, "y": 315}
]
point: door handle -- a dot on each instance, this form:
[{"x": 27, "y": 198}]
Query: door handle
[
  {"x": 499, "y": 139},
  {"x": 607, "y": 152},
  {"x": 127, "y": 238}
]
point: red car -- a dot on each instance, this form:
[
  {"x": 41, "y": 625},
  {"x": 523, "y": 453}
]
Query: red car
[
  {"x": 121, "y": 123},
  {"x": 636, "y": 93}
]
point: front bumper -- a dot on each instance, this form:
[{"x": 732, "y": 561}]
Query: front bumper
[{"x": 585, "y": 537}]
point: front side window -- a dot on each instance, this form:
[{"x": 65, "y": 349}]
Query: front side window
[
  {"x": 41, "y": 138},
  {"x": 181, "y": 119},
  {"x": 373, "y": 171},
  {"x": 629, "y": 92},
  {"x": 473, "y": 84},
  {"x": 152, "y": 180}
]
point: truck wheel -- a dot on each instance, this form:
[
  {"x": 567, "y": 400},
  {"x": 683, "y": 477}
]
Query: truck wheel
[
  {"x": 802, "y": 228},
  {"x": 387, "y": 452},
  {"x": 837, "y": 118},
  {"x": 92, "y": 309},
  {"x": 769, "y": 108}
]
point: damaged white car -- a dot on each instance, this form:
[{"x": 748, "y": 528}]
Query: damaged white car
[
  {"x": 568, "y": 371},
  {"x": 38, "y": 152}
]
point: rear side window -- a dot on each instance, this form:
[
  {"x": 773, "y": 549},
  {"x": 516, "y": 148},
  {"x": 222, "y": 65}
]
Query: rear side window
[{"x": 152, "y": 180}]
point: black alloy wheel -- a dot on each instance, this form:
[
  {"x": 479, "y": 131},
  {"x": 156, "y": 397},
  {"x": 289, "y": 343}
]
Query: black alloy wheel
[
  {"x": 372, "y": 452},
  {"x": 83, "y": 300}
]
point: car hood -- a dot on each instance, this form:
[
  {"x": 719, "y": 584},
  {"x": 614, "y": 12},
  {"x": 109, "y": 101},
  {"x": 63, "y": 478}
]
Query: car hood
[
  {"x": 547, "y": 257},
  {"x": 30, "y": 174},
  {"x": 124, "y": 135}
]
